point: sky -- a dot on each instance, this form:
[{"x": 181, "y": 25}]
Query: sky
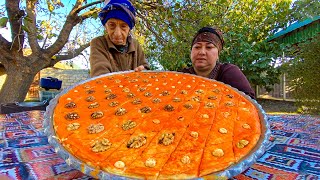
[{"x": 5, "y": 32}]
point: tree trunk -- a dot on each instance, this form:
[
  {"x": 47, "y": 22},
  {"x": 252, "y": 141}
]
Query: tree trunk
[{"x": 16, "y": 86}]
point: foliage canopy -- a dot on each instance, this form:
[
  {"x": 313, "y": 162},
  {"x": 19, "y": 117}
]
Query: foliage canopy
[
  {"x": 305, "y": 75},
  {"x": 246, "y": 26},
  {"x": 58, "y": 30}
]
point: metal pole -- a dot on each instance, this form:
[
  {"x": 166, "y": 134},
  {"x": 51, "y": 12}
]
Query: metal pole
[
  {"x": 284, "y": 85},
  {"x": 283, "y": 80}
]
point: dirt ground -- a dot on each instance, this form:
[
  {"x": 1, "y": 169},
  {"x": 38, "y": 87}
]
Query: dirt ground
[{"x": 277, "y": 106}]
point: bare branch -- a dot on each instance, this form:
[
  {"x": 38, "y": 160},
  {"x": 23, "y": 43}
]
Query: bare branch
[
  {"x": 77, "y": 10},
  {"x": 76, "y": 6},
  {"x": 5, "y": 53},
  {"x": 15, "y": 19},
  {"x": 70, "y": 54},
  {"x": 63, "y": 37},
  {"x": 30, "y": 22},
  {"x": 46, "y": 38},
  {"x": 72, "y": 20},
  {"x": 89, "y": 14}
]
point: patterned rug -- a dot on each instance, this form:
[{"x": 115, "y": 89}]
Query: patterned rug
[{"x": 293, "y": 154}]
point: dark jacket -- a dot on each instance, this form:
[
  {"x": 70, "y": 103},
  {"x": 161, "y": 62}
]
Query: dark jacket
[
  {"x": 105, "y": 58},
  {"x": 229, "y": 74}
]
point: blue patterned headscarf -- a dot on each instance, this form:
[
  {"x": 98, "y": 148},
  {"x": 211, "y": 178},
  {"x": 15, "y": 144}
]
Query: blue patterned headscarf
[{"x": 118, "y": 9}]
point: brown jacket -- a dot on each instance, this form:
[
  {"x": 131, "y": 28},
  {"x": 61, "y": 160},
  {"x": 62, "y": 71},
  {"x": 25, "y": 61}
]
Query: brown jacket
[
  {"x": 105, "y": 58},
  {"x": 228, "y": 74}
]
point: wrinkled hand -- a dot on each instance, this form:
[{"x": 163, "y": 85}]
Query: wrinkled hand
[{"x": 139, "y": 68}]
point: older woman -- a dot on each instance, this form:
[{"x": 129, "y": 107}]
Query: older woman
[
  {"x": 206, "y": 46},
  {"x": 117, "y": 50}
]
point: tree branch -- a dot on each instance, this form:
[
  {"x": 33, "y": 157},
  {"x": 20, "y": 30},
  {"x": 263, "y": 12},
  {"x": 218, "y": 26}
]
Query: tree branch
[
  {"x": 77, "y": 10},
  {"x": 70, "y": 54},
  {"x": 15, "y": 19},
  {"x": 4, "y": 50},
  {"x": 30, "y": 22},
  {"x": 4, "y": 44},
  {"x": 88, "y": 14},
  {"x": 72, "y": 20},
  {"x": 163, "y": 41},
  {"x": 147, "y": 5}
]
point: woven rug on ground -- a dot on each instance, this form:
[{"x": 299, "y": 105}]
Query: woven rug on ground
[
  {"x": 293, "y": 154},
  {"x": 25, "y": 152}
]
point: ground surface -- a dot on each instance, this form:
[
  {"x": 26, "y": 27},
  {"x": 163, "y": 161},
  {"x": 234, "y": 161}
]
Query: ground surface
[{"x": 277, "y": 106}]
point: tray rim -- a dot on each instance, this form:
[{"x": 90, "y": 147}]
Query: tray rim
[
  {"x": 229, "y": 172},
  {"x": 31, "y": 103}
]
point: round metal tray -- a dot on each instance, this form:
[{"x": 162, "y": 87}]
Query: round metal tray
[
  {"x": 31, "y": 104},
  {"x": 231, "y": 171}
]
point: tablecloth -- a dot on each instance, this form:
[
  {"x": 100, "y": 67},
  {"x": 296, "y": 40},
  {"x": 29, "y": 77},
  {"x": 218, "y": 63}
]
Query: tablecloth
[{"x": 293, "y": 154}]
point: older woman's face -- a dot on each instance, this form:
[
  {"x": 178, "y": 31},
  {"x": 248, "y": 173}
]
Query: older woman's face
[
  {"x": 204, "y": 56},
  {"x": 117, "y": 30}
]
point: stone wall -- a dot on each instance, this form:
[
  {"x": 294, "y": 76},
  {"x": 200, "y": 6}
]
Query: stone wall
[{"x": 68, "y": 76}]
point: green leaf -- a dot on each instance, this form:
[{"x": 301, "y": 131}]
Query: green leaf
[
  {"x": 177, "y": 6},
  {"x": 3, "y": 22},
  {"x": 25, "y": 28},
  {"x": 40, "y": 37}
]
